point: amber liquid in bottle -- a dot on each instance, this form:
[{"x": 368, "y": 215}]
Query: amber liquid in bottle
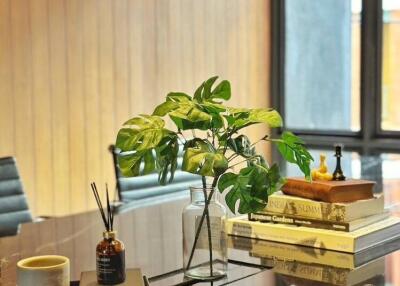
[{"x": 110, "y": 260}]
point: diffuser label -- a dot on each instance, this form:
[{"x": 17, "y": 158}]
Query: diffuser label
[{"x": 110, "y": 268}]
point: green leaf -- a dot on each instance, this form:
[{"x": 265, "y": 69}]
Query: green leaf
[
  {"x": 198, "y": 93},
  {"x": 135, "y": 164},
  {"x": 150, "y": 147},
  {"x": 167, "y": 156},
  {"x": 240, "y": 189},
  {"x": 207, "y": 87},
  {"x": 178, "y": 97},
  {"x": 242, "y": 117},
  {"x": 129, "y": 164},
  {"x": 222, "y": 91},
  {"x": 267, "y": 116},
  {"x": 126, "y": 139},
  {"x": 203, "y": 159},
  {"x": 165, "y": 108},
  {"x": 251, "y": 187},
  {"x": 241, "y": 145},
  {"x": 149, "y": 162},
  {"x": 146, "y": 133},
  {"x": 146, "y": 121},
  {"x": 205, "y": 92},
  {"x": 293, "y": 150},
  {"x": 190, "y": 116}
]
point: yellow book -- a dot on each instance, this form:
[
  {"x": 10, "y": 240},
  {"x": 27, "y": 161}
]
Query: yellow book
[
  {"x": 283, "y": 251},
  {"x": 360, "y": 239},
  {"x": 328, "y": 274},
  {"x": 340, "y": 212}
]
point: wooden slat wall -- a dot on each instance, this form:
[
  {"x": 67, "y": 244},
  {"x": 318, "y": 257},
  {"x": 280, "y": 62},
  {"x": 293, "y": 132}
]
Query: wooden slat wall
[{"x": 72, "y": 71}]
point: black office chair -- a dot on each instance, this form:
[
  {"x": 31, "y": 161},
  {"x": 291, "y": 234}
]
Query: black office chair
[
  {"x": 13, "y": 204},
  {"x": 146, "y": 186}
]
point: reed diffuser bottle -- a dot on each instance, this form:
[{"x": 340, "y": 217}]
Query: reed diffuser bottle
[
  {"x": 110, "y": 252},
  {"x": 110, "y": 259}
]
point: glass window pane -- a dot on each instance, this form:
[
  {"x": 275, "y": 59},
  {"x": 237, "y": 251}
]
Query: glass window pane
[
  {"x": 322, "y": 64},
  {"x": 391, "y": 66}
]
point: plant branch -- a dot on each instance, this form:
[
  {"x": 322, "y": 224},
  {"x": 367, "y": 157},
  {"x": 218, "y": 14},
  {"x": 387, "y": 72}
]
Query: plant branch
[
  {"x": 265, "y": 138},
  {"x": 214, "y": 183},
  {"x": 203, "y": 178},
  {"x": 235, "y": 155},
  {"x": 183, "y": 136},
  {"x": 245, "y": 160},
  {"x": 227, "y": 138}
]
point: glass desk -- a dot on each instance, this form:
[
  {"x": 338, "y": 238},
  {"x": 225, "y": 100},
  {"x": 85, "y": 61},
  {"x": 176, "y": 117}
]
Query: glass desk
[{"x": 152, "y": 236}]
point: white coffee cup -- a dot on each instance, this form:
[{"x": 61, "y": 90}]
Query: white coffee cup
[{"x": 46, "y": 270}]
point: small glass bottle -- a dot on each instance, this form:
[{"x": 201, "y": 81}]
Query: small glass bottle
[
  {"x": 110, "y": 260},
  {"x": 198, "y": 261}
]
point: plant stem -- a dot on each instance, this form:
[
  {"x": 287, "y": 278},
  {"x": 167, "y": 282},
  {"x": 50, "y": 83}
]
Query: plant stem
[
  {"x": 208, "y": 223},
  {"x": 246, "y": 160},
  {"x": 214, "y": 183}
]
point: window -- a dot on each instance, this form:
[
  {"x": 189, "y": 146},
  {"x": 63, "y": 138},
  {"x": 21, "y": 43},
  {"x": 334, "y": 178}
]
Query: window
[
  {"x": 336, "y": 78},
  {"x": 319, "y": 74},
  {"x": 391, "y": 66}
]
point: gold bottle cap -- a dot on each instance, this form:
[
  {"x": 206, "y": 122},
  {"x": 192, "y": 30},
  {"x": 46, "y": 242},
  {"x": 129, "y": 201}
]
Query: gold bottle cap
[{"x": 109, "y": 234}]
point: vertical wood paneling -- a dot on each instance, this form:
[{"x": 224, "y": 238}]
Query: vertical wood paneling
[
  {"x": 91, "y": 95},
  {"x": 42, "y": 109},
  {"x": 121, "y": 96},
  {"x": 136, "y": 50},
  {"x": 59, "y": 107},
  {"x": 150, "y": 59},
  {"x": 71, "y": 72},
  {"x": 106, "y": 89},
  {"x": 76, "y": 106},
  {"x": 7, "y": 144},
  {"x": 22, "y": 81}
]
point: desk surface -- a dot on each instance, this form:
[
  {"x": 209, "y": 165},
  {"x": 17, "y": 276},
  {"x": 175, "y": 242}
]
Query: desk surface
[{"x": 152, "y": 236}]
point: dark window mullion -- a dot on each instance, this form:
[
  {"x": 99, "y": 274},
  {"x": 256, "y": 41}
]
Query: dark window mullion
[
  {"x": 277, "y": 64},
  {"x": 371, "y": 62}
]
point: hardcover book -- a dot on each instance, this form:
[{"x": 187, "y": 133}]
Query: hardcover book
[
  {"x": 283, "y": 251},
  {"x": 329, "y": 191},
  {"x": 338, "y": 212},
  {"x": 286, "y": 280},
  {"x": 360, "y": 239},
  {"x": 328, "y": 274},
  {"x": 316, "y": 223}
]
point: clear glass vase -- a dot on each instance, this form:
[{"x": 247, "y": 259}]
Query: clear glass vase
[{"x": 204, "y": 258}]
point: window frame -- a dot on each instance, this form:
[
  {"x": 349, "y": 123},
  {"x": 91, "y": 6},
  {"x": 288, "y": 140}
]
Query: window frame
[{"x": 371, "y": 139}]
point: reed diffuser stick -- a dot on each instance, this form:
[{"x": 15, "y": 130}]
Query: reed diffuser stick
[
  {"x": 109, "y": 212},
  {"x": 100, "y": 205}
]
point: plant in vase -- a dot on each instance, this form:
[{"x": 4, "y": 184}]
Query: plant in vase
[{"x": 146, "y": 146}]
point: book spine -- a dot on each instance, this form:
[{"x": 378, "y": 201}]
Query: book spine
[
  {"x": 307, "y": 208},
  {"x": 315, "y": 272},
  {"x": 291, "y": 234},
  {"x": 300, "y": 221},
  {"x": 339, "y": 260}
]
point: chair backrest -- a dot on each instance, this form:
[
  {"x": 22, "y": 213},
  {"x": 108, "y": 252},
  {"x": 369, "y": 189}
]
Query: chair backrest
[
  {"x": 13, "y": 205},
  {"x": 141, "y": 187}
]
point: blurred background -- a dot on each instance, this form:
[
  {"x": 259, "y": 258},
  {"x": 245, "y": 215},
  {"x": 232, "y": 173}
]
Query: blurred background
[{"x": 72, "y": 71}]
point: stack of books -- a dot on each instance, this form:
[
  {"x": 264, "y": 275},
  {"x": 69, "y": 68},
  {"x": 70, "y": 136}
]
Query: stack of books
[
  {"x": 347, "y": 227},
  {"x": 299, "y": 265}
]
